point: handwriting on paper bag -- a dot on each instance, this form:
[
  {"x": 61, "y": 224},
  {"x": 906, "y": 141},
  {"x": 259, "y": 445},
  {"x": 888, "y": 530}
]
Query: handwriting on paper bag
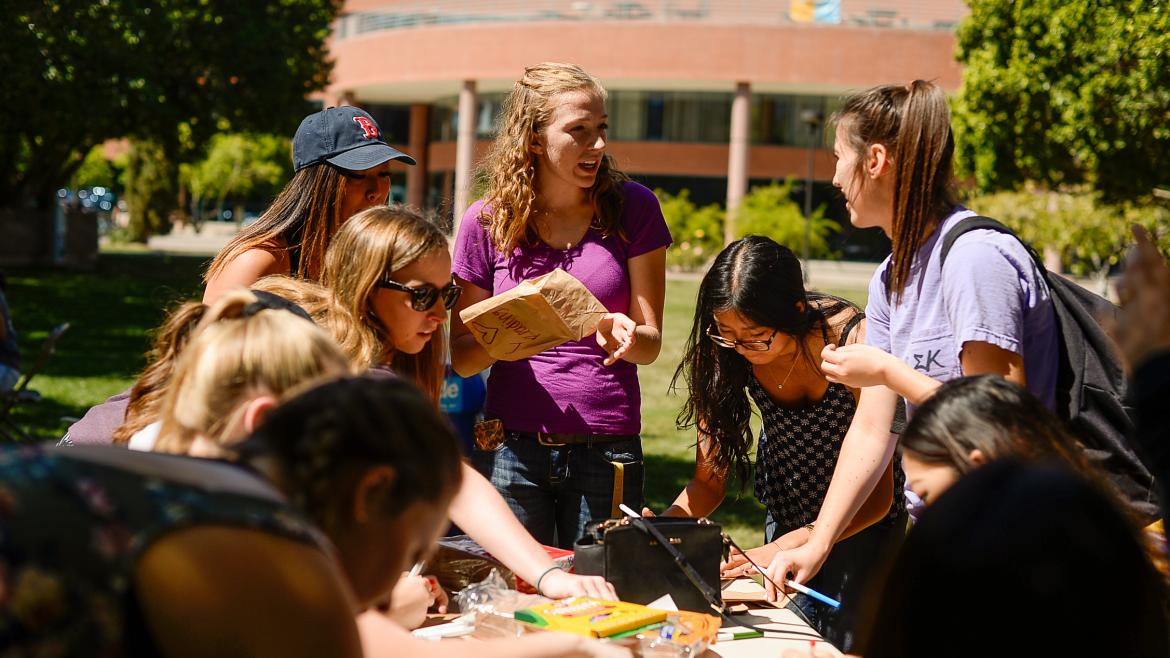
[{"x": 512, "y": 323}]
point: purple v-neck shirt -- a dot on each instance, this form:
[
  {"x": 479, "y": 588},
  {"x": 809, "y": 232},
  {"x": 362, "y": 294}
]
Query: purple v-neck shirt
[{"x": 566, "y": 389}]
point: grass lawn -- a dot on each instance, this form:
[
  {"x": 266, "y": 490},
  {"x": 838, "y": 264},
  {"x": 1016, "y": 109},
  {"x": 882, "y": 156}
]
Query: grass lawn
[{"x": 114, "y": 308}]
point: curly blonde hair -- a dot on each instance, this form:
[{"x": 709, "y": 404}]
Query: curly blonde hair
[
  {"x": 373, "y": 243},
  {"x": 510, "y": 168}
]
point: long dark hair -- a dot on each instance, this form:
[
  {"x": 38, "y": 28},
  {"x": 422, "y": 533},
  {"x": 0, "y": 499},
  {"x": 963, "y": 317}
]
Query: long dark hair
[
  {"x": 321, "y": 437},
  {"x": 304, "y": 215},
  {"x": 990, "y": 414},
  {"x": 1019, "y": 538},
  {"x": 913, "y": 122},
  {"x": 761, "y": 280}
]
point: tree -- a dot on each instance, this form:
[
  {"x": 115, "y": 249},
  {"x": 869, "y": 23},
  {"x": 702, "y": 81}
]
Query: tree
[
  {"x": 171, "y": 72},
  {"x": 238, "y": 166},
  {"x": 1066, "y": 93},
  {"x": 770, "y": 211},
  {"x": 1088, "y": 235},
  {"x": 697, "y": 232},
  {"x": 95, "y": 169},
  {"x": 150, "y": 190}
]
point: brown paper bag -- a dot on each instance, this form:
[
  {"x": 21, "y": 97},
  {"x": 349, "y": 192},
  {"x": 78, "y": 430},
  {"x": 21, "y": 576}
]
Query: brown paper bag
[{"x": 534, "y": 316}]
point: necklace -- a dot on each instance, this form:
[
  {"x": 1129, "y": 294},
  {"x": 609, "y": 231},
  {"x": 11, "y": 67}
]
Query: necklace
[{"x": 795, "y": 357}]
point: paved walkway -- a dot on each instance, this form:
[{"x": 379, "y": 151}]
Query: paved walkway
[{"x": 823, "y": 274}]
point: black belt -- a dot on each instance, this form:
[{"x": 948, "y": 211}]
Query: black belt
[{"x": 555, "y": 439}]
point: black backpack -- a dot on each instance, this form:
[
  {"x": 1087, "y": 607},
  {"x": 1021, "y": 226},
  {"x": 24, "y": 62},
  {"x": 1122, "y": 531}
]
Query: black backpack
[{"x": 1090, "y": 381}]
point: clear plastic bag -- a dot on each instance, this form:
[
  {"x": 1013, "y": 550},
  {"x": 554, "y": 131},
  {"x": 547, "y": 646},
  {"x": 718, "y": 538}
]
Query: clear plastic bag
[{"x": 493, "y": 604}]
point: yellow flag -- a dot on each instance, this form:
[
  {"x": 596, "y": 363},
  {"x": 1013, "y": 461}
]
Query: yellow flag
[{"x": 802, "y": 11}]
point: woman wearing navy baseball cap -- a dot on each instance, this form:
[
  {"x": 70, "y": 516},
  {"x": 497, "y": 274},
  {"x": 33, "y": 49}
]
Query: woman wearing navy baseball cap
[{"x": 342, "y": 166}]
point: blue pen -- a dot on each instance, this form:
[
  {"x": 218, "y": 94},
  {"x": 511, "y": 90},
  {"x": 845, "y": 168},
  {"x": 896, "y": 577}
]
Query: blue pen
[{"x": 812, "y": 592}]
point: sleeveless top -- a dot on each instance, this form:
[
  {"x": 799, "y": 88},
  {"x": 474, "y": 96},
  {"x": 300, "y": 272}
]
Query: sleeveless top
[
  {"x": 797, "y": 453},
  {"x": 74, "y": 521}
]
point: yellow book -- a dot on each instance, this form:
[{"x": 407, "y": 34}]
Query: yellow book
[{"x": 590, "y": 617}]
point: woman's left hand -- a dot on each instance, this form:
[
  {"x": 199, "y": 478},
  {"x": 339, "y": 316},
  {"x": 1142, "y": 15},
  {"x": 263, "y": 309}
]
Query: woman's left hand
[
  {"x": 557, "y": 584},
  {"x": 856, "y": 366},
  {"x": 616, "y": 335}
]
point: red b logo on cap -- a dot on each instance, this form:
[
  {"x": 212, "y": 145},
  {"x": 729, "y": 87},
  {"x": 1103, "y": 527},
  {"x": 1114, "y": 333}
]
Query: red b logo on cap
[{"x": 369, "y": 130}]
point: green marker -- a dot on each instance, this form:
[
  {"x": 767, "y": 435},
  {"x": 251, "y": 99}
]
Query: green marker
[{"x": 724, "y": 636}]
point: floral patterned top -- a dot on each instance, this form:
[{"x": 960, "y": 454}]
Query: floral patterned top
[{"x": 74, "y": 521}]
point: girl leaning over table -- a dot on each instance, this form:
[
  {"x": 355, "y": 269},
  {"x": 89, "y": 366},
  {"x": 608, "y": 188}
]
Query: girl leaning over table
[
  {"x": 570, "y": 448},
  {"x": 990, "y": 313},
  {"x": 756, "y": 337}
]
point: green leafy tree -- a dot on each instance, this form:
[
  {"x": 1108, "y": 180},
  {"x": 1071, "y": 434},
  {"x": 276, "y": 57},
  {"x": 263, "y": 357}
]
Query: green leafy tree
[
  {"x": 697, "y": 232},
  {"x": 95, "y": 170},
  {"x": 238, "y": 166},
  {"x": 170, "y": 72},
  {"x": 769, "y": 210},
  {"x": 1088, "y": 235},
  {"x": 150, "y": 190},
  {"x": 1065, "y": 94}
]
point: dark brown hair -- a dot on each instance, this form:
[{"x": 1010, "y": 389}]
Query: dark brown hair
[
  {"x": 914, "y": 124},
  {"x": 305, "y": 214}
]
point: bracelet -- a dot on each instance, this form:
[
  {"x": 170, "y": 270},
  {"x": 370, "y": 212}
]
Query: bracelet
[
  {"x": 545, "y": 573},
  {"x": 809, "y": 527}
]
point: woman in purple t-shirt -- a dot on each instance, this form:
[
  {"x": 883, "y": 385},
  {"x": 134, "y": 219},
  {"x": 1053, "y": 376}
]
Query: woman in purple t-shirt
[
  {"x": 570, "y": 448},
  {"x": 991, "y": 313}
]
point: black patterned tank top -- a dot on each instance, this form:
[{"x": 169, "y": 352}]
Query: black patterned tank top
[{"x": 797, "y": 453}]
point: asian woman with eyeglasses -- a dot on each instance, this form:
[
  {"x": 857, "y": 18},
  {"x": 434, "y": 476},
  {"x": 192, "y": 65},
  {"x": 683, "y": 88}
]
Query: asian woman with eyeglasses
[
  {"x": 756, "y": 337},
  {"x": 390, "y": 273}
]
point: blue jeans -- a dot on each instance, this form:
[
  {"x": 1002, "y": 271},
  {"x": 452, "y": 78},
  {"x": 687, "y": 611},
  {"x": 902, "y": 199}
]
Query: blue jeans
[{"x": 556, "y": 490}]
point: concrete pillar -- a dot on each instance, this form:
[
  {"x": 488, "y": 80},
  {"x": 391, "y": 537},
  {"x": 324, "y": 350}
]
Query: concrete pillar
[
  {"x": 417, "y": 146},
  {"x": 464, "y": 150},
  {"x": 737, "y": 155}
]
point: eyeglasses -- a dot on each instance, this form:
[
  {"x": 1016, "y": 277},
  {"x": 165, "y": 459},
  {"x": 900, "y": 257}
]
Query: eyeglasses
[
  {"x": 749, "y": 345},
  {"x": 423, "y": 297}
]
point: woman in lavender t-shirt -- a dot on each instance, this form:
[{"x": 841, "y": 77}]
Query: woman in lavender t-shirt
[
  {"x": 571, "y": 414},
  {"x": 990, "y": 313}
]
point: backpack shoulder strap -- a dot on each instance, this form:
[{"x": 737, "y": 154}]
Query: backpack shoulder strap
[{"x": 980, "y": 222}]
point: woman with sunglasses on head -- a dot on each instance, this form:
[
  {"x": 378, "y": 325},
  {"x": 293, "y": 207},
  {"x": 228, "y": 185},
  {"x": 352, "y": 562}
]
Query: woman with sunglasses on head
[
  {"x": 756, "y": 337},
  {"x": 569, "y": 446},
  {"x": 341, "y": 167},
  {"x": 390, "y": 273}
]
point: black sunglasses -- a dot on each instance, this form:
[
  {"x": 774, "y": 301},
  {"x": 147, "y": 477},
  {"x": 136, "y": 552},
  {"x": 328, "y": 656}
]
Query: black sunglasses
[{"x": 423, "y": 297}]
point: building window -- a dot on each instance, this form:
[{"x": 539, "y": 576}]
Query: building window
[
  {"x": 445, "y": 117},
  {"x": 394, "y": 120},
  {"x": 776, "y": 119}
]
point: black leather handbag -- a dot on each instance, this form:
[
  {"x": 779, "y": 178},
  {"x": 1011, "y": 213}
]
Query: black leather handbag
[{"x": 629, "y": 556}]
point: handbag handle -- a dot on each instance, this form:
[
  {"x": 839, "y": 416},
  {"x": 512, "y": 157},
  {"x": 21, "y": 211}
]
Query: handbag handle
[{"x": 708, "y": 592}]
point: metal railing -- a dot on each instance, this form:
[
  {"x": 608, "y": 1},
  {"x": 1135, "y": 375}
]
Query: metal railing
[{"x": 906, "y": 14}]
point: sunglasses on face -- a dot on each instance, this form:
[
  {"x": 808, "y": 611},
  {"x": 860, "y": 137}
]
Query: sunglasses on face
[
  {"x": 749, "y": 345},
  {"x": 423, "y": 297}
]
